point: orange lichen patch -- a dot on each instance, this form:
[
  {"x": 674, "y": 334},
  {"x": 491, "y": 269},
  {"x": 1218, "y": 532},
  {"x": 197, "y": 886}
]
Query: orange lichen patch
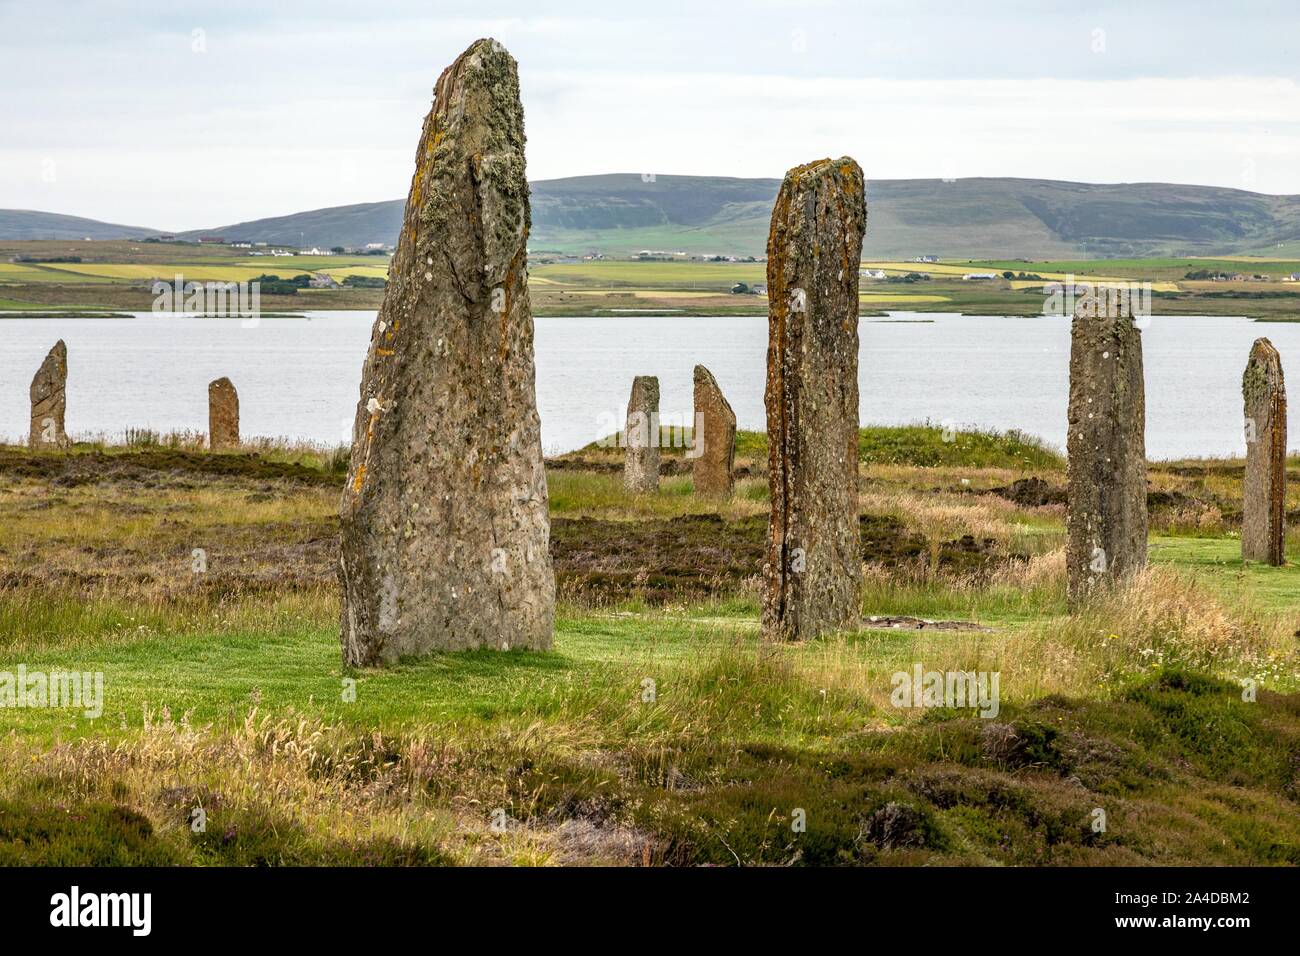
[
  {"x": 361, "y": 468},
  {"x": 385, "y": 352},
  {"x": 849, "y": 173},
  {"x": 798, "y": 171}
]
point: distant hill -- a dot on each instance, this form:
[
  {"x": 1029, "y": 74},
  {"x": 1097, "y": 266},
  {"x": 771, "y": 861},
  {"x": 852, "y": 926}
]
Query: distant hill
[
  {"x": 352, "y": 226},
  {"x": 21, "y": 224},
  {"x": 975, "y": 218}
]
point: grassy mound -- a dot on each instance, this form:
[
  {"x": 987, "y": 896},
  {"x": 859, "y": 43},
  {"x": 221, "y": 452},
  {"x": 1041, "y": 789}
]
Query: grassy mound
[{"x": 923, "y": 446}]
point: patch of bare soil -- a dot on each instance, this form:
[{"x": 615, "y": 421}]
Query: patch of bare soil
[
  {"x": 1031, "y": 493},
  {"x": 907, "y": 623},
  {"x": 703, "y": 555},
  {"x": 163, "y": 467},
  {"x": 669, "y": 465}
]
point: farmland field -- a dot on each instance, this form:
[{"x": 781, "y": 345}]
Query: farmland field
[{"x": 118, "y": 275}]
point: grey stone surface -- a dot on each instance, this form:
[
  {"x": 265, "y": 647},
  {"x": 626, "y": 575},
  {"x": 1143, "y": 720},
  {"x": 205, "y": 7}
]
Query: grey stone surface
[
  {"x": 445, "y": 517},
  {"x": 714, "y": 440},
  {"x": 1106, "y": 523},
  {"x": 1263, "y": 509},
  {"x": 813, "y": 573},
  {"x": 49, "y": 400},
  {"x": 641, "y": 436},
  {"x": 223, "y": 415}
]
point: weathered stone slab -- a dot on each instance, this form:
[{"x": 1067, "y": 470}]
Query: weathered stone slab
[
  {"x": 1106, "y": 525},
  {"x": 223, "y": 415},
  {"x": 713, "y": 444},
  {"x": 641, "y": 436},
  {"x": 813, "y": 573},
  {"x": 445, "y": 520},
  {"x": 49, "y": 400},
  {"x": 1263, "y": 510}
]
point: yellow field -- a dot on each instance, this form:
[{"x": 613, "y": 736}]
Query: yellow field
[
  {"x": 957, "y": 271},
  {"x": 342, "y": 272},
  {"x": 276, "y": 264},
  {"x": 642, "y": 293},
  {"x": 900, "y": 297},
  {"x": 194, "y": 273},
  {"x": 1034, "y": 284},
  {"x": 21, "y": 272},
  {"x": 933, "y": 268}
]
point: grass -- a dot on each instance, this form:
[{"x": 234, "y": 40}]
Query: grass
[
  {"x": 923, "y": 445},
  {"x": 661, "y": 729}
]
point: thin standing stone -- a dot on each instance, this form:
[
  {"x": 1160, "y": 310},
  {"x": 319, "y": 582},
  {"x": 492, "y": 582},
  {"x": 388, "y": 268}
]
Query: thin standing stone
[
  {"x": 641, "y": 436},
  {"x": 713, "y": 442},
  {"x": 223, "y": 415},
  {"x": 49, "y": 400},
  {"x": 1106, "y": 525},
  {"x": 1263, "y": 511},
  {"x": 813, "y": 573}
]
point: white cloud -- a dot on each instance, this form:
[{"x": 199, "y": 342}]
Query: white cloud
[{"x": 296, "y": 107}]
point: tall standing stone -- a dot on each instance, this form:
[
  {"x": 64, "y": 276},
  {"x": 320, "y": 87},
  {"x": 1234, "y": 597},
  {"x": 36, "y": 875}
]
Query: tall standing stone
[
  {"x": 813, "y": 573},
  {"x": 713, "y": 444},
  {"x": 49, "y": 400},
  {"x": 641, "y": 436},
  {"x": 223, "y": 415},
  {"x": 445, "y": 521},
  {"x": 1263, "y": 511},
  {"x": 1106, "y": 525}
]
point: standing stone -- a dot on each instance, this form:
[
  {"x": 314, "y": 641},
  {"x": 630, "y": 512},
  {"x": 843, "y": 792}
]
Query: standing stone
[
  {"x": 641, "y": 436},
  {"x": 49, "y": 400},
  {"x": 223, "y": 415},
  {"x": 1106, "y": 526},
  {"x": 713, "y": 444},
  {"x": 445, "y": 520},
  {"x": 1263, "y": 510},
  {"x": 813, "y": 573}
]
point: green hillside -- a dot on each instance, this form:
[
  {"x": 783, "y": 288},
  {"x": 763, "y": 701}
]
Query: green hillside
[
  {"x": 24, "y": 224},
  {"x": 982, "y": 218},
  {"x": 623, "y": 214}
]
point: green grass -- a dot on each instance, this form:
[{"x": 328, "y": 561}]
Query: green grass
[
  {"x": 1218, "y": 562},
  {"x": 930, "y": 446},
  {"x": 713, "y": 770},
  {"x": 923, "y": 446},
  {"x": 231, "y": 698}
]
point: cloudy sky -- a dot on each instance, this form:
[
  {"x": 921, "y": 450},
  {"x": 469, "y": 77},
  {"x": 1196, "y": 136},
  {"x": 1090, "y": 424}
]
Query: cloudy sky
[{"x": 179, "y": 114}]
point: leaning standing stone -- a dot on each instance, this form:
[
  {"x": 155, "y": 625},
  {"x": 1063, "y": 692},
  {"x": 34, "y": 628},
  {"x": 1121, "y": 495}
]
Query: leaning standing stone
[
  {"x": 713, "y": 444},
  {"x": 641, "y": 436},
  {"x": 49, "y": 400},
  {"x": 813, "y": 573},
  {"x": 223, "y": 415},
  {"x": 445, "y": 521},
  {"x": 1106, "y": 526},
  {"x": 1263, "y": 510}
]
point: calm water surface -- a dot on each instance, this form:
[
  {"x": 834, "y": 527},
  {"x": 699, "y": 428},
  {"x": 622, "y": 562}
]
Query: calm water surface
[{"x": 298, "y": 378}]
